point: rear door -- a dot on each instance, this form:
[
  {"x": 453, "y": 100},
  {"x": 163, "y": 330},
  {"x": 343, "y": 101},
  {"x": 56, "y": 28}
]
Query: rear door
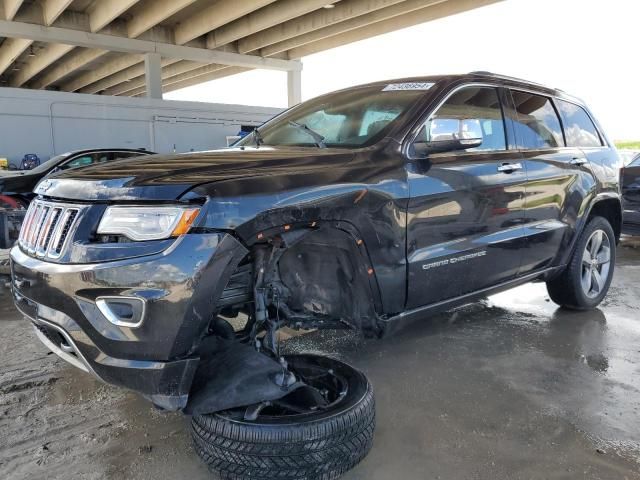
[
  {"x": 560, "y": 179},
  {"x": 466, "y": 208}
]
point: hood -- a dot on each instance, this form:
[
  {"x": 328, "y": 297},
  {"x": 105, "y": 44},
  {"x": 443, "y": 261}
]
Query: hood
[{"x": 167, "y": 177}]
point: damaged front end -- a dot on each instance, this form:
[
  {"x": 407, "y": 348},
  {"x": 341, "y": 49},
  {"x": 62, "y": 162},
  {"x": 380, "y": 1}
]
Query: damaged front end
[{"x": 313, "y": 276}]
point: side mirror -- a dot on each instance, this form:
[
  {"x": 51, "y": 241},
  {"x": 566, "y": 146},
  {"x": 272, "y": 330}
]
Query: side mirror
[
  {"x": 448, "y": 135},
  {"x": 441, "y": 146}
]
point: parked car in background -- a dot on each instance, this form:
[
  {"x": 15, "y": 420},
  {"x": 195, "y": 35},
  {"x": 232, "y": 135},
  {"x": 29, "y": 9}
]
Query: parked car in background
[
  {"x": 19, "y": 184},
  {"x": 630, "y": 176},
  {"x": 16, "y": 187}
]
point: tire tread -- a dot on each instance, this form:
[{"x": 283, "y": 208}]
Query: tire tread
[
  {"x": 321, "y": 449},
  {"x": 565, "y": 289}
]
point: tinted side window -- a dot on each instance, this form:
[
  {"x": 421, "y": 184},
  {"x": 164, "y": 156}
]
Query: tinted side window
[
  {"x": 579, "y": 130},
  {"x": 82, "y": 161},
  {"x": 469, "y": 113},
  {"x": 117, "y": 155},
  {"x": 537, "y": 124}
]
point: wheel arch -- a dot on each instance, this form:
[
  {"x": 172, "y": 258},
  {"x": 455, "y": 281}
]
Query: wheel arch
[
  {"x": 609, "y": 207},
  {"x": 326, "y": 265},
  {"x": 325, "y": 271}
]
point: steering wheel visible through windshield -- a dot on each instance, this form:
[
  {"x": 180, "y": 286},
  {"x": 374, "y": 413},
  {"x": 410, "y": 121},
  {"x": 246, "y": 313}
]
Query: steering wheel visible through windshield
[{"x": 349, "y": 119}]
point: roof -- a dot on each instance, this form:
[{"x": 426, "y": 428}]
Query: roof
[
  {"x": 476, "y": 76},
  {"x": 99, "y": 46}
]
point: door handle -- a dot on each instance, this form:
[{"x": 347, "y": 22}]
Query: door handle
[
  {"x": 578, "y": 161},
  {"x": 509, "y": 167}
]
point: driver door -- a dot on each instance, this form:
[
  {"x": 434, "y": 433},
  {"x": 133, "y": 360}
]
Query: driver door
[{"x": 466, "y": 206}]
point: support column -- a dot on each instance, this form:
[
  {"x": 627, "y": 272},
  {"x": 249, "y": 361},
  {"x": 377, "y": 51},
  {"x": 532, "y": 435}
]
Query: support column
[
  {"x": 153, "y": 75},
  {"x": 294, "y": 87}
]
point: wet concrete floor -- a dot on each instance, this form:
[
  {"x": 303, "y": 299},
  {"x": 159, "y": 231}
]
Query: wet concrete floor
[{"x": 508, "y": 388}]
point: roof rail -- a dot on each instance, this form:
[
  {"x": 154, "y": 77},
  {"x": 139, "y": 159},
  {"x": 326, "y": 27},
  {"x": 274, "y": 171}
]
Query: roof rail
[{"x": 508, "y": 77}]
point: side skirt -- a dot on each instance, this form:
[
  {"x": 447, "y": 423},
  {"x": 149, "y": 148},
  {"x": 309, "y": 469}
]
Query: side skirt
[{"x": 393, "y": 324}]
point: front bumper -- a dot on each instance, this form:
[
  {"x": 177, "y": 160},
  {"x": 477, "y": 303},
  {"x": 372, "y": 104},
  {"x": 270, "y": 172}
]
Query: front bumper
[{"x": 158, "y": 359}]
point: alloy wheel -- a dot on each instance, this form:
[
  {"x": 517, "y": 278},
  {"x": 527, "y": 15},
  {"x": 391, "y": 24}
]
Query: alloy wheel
[{"x": 596, "y": 263}]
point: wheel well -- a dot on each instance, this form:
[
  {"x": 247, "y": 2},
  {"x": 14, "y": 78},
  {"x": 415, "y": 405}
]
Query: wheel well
[
  {"x": 611, "y": 209},
  {"x": 313, "y": 278},
  {"x": 326, "y": 277}
]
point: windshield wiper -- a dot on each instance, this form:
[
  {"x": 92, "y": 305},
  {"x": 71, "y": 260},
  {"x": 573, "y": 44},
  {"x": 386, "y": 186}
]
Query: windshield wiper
[{"x": 318, "y": 139}]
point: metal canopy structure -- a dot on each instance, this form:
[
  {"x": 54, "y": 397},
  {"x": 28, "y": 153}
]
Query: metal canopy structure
[{"x": 149, "y": 47}]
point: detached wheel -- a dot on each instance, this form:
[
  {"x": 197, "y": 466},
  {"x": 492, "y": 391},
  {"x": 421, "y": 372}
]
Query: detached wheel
[
  {"x": 299, "y": 437},
  {"x": 586, "y": 279}
]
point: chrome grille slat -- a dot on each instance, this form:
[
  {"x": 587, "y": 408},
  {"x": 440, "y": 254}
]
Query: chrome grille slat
[
  {"x": 35, "y": 228},
  {"x": 45, "y": 235},
  {"x": 26, "y": 224},
  {"x": 42, "y": 225},
  {"x": 62, "y": 235},
  {"x": 47, "y": 228}
]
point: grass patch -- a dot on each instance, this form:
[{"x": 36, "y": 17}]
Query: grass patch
[{"x": 628, "y": 145}]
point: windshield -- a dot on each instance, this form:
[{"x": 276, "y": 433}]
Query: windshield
[
  {"x": 49, "y": 164},
  {"x": 354, "y": 118}
]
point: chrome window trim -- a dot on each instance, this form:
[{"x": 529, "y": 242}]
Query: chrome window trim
[
  {"x": 411, "y": 136},
  {"x": 574, "y": 102},
  {"x": 414, "y": 133}
]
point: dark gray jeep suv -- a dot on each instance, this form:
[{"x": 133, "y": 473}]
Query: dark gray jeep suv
[{"x": 171, "y": 275}]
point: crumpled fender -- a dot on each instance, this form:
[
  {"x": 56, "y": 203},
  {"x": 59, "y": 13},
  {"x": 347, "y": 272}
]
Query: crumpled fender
[{"x": 233, "y": 375}]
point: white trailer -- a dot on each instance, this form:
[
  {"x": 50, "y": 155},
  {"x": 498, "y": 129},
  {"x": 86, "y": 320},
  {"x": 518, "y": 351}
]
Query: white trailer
[{"x": 50, "y": 123}]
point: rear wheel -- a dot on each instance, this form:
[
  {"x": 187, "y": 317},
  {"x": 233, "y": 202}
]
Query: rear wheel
[
  {"x": 300, "y": 436},
  {"x": 586, "y": 280}
]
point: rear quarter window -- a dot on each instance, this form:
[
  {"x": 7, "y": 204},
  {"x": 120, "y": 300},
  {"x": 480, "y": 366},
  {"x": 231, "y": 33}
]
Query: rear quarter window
[{"x": 579, "y": 130}]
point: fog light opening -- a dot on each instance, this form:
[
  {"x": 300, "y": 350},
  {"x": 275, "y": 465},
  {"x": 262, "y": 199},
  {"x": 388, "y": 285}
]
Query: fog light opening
[{"x": 122, "y": 311}]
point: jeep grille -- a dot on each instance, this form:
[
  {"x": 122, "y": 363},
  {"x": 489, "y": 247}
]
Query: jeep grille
[{"x": 46, "y": 228}]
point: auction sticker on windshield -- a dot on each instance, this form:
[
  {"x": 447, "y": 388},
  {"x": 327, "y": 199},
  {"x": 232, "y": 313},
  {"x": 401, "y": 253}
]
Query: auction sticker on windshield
[{"x": 408, "y": 86}]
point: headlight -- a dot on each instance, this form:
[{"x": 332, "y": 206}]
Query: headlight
[{"x": 147, "y": 223}]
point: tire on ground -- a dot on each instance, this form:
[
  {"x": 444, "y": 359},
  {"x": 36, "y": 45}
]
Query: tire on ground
[
  {"x": 315, "y": 446},
  {"x": 565, "y": 289}
]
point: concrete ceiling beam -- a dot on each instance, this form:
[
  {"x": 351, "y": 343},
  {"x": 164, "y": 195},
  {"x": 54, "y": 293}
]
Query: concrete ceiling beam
[
  {"x": 76, "y": 60},
  {"x": 52, "y": 9},
  {"x": 215, "y": 16},
  {"x": 42, "y": 60},
  {"x": 266, "y": 17},
  {"x": 344, "y": 10},
  {"x": 149, "y": 13},
  {"x": 11, "y": 8},
  {"x": 102, "y": 13},
  {"x": 375, "y": 16},
  {"x": 416, "y": 17}
]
